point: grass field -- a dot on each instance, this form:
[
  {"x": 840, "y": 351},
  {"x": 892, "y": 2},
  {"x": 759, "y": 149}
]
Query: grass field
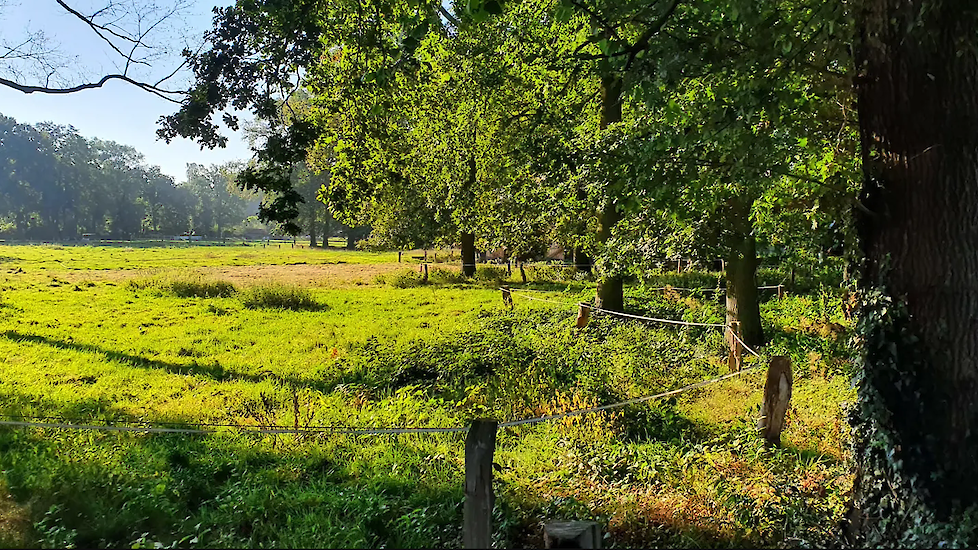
[{"x": 280, "y": 336}]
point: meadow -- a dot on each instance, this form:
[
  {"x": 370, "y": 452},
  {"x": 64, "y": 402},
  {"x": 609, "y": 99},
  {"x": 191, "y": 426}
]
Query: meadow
[{"x": 263, "y": 336}]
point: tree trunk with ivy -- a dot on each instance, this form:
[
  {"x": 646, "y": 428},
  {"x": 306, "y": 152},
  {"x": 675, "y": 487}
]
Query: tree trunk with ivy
[
  {"x": 610, "y": 291},
  {"x": 917, "y": 420},
  {"x": 741, "y": 270}
]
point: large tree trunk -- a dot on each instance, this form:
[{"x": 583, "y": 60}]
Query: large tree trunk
[
  {"x": 741, "y": 270},
  {"x": 610, "y": 291},
  {"x": 351, "y": 240},
  {"x": 918, "y": 114},
  {"x": 582, "y": 262},
  {"x": 468, "y": 254}
]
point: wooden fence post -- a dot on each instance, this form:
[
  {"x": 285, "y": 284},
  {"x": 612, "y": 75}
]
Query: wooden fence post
[
  {"x": 780, "y": 291},
  {"x": 583, "y": 314},
  {"x": 507, "y": 297},
  {"x": 398, "y": 256},
  {"x": 736, "y": 353},
  {"x": 777, "y": 395},
  {"x": 522, "y": 272},
  {"x": 480, "y": 445},
  {"x": 425, "y": 272}
]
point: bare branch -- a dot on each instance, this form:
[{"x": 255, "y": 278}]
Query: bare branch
[{"x": 165, "y": 94}]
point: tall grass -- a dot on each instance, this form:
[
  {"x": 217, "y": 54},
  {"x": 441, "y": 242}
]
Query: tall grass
[
  {"x": 280, "y": 296},
  {"x": 184, "y": 285}
]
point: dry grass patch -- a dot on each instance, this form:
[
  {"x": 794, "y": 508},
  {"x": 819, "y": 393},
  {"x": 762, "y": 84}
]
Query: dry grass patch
[{"x": 307, "y": 275}]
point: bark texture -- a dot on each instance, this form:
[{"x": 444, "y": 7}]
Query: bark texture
[
  {"x": 741, "y": 270},
  {"x": 468, "y": 254},
  {"x": 918, "y": 113},
  {"x": 610, "y": 291}
]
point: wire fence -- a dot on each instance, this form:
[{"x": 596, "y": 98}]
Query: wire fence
[{"x": 24, "y": 421}]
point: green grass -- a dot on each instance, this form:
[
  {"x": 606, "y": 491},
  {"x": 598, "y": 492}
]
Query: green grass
[{"x": 688, "y": 471}]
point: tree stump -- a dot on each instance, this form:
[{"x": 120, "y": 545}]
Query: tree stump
[
  {"x": 572, "y": 534},
  {"x": 583, "y": 315},
  {"x": 777, "y": 395}
]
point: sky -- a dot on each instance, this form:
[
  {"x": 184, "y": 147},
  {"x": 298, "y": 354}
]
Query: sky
[{"x": 118, "y": 111}]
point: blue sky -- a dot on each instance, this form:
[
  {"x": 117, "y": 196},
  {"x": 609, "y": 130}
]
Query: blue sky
[{"x": 118, "y": 111}]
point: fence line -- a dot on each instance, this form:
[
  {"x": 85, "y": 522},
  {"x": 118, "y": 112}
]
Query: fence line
[
  {"x": 620, "y": 314},
  {"x": 281, "y": 430},
  {"x": 746, "y": 347},
  {"x": 628, "y": 402},
  {"x": 267, "y": 430}
]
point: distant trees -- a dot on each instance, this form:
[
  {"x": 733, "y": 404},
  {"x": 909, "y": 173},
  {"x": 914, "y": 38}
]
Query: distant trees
[{"x": 58, "y": 185}]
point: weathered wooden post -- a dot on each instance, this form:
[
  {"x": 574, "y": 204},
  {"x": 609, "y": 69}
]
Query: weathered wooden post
[
  {"x": 480, "y": 445},
  {"x": 425, "y": 272},
  {"x": 735, "y": 356},
  {"x": 583, "y": 314},
  {"x": 507, "y": 297},
  {"x": 398, "y": 256},
  {"x": 679, "y": 265},
  {"x": 572, "y": 534},
  {"x": 777, "y": 396},
  {"x": 522, "y": 272},
  {"x": 780, "y": 291}
]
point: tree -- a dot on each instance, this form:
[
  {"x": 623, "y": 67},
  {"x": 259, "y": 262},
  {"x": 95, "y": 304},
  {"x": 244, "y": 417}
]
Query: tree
[
  {"x": 135, "y": 34},
  {"x": 220, "y": 203},
  {"x": 918, "y": 397},
  {"x": 56, "y": 184}
]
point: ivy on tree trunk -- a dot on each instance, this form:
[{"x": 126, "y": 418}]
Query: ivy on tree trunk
[{"x": 917, "y": 421}]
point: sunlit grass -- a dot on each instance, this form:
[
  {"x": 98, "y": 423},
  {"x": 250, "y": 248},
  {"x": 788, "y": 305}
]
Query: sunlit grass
[{"x": 686, "y": 472}]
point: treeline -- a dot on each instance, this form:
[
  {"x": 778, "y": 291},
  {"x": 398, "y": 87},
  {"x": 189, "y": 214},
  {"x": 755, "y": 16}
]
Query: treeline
[{"x": 58, "y": 185}]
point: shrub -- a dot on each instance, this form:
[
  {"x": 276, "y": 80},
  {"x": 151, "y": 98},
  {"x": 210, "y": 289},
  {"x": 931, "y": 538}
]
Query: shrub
[
  {"x": 550, "y": 273},
  {"x": 280, "y": 296},
  {"x": 446, "y": 277},
  {"x": 490, "y": 274}
]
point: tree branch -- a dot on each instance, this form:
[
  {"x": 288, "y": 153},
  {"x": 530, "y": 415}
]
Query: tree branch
[{"x": 92, "y": 85}]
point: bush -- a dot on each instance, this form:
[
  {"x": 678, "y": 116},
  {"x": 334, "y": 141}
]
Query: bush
[
  {"x": 280, "y": 296},
  {"x": 490, "y": 274},
  {"x": 446, "y": 277},
  {"x": 550, "y": 273}
]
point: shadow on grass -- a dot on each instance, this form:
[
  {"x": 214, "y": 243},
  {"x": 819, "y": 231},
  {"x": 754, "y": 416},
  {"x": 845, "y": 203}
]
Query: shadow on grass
[
  {"x": 213, "y": 371},
  {"x": 91, "y": 490}
]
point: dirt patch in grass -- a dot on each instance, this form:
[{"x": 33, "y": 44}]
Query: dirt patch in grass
[
  {"x": 15, "y": 523},
  {"x": 327, "y": 275}
]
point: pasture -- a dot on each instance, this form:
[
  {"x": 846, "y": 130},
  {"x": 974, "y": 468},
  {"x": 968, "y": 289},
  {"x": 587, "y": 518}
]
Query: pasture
[{"x": 227, "y": 336}]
